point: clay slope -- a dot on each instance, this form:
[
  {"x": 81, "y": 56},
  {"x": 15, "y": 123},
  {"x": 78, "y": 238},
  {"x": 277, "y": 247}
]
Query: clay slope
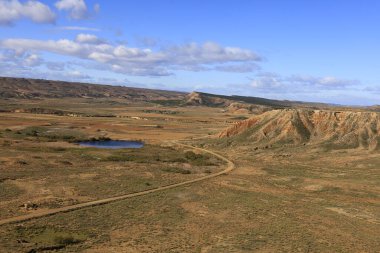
[{"x": 298, "y": 126}]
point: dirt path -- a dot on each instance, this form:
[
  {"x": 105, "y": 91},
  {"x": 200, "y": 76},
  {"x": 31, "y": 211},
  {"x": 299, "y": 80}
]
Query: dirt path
[{"x": 230, "y": 167}]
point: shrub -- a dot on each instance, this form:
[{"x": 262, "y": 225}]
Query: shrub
[
  {"x": 192, "y": 156},
  {"x": 7, "y": 143},
  {"x": 65, "y": 240},
  {"x": 198, "y": 159},
  {"x": 177, "y": 170},
  {"x": 66, "y": 163}
]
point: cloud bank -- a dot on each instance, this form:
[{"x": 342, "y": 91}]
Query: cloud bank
[
  {"x": 13, "y": 10},
  {"x": 142, "y": 61},
  {"x": 272, "y": 82},
  {"x": 38, "y": 12}
]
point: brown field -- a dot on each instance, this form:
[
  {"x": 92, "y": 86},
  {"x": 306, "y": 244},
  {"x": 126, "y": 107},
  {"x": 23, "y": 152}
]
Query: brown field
[{"x": 280, "y": 199}]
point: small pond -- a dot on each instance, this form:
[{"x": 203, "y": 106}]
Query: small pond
[{"x": 111, "y": 144}]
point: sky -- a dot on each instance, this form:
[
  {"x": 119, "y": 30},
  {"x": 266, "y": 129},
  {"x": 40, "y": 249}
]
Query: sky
[{"x": 319, "y": 51}]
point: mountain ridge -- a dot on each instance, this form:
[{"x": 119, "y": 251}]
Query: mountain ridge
[
  {"x": 28, "y": 88},
  {"x": 39, "y": 88}
]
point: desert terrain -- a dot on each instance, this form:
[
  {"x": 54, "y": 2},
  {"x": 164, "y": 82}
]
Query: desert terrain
[{"x": 277, "y": 176}]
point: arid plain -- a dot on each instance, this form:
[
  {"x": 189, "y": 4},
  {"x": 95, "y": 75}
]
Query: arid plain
[{"x": 291, "y": 195}]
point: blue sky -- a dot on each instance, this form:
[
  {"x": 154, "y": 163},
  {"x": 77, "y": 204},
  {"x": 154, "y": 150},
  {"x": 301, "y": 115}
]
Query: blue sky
[{"x": 326, "y": 51}]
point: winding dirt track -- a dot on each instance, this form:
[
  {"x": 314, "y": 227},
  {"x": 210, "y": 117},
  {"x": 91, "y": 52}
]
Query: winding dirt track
[{"x": 230, "y": 167}]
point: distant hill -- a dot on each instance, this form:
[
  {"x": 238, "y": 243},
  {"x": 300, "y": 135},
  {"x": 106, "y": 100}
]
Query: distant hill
[
  {"x": 375, "y": 108},
  {"x": 334, "y": 129},
  {"x": 37, "y": 88},
  {"x": 26, "y": 88},
  {"x": 200, "y": 98}
]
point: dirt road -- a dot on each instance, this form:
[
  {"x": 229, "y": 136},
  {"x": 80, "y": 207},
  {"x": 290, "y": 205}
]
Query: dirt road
[{"x": 230, "y": 167}]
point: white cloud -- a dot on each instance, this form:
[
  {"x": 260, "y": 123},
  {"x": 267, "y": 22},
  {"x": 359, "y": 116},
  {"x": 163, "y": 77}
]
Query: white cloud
[
  {"x": 22, "y": 60},
  {"x": 76, "y": 8},
  {"x": 77, "y": 75},
  {"x": 32, "y": 60},
  {"x": 210, "y": 52},
  {"x": 123, "y": 51},
  {"x": 238, "y": 68},
  {"x": 141, "y": 61},
  {"x": 101, "y": 57},
  {"x": 88, "y": 38},
  {"x": 268, "y": 81},
  {"x": 322, "y": 82},
  {"x": 12, "y": 10},
  {"x": 298, "y": 83}
]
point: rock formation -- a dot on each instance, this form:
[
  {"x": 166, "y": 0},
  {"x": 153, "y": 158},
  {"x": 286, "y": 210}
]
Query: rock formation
[{"x": 344, "y": 129}]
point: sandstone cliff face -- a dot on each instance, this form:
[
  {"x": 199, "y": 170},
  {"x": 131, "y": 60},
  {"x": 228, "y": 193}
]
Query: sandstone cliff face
[{"x": 297, "y": 126}]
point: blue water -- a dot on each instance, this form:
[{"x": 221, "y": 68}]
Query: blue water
[{"x": 112, "y": 144}]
